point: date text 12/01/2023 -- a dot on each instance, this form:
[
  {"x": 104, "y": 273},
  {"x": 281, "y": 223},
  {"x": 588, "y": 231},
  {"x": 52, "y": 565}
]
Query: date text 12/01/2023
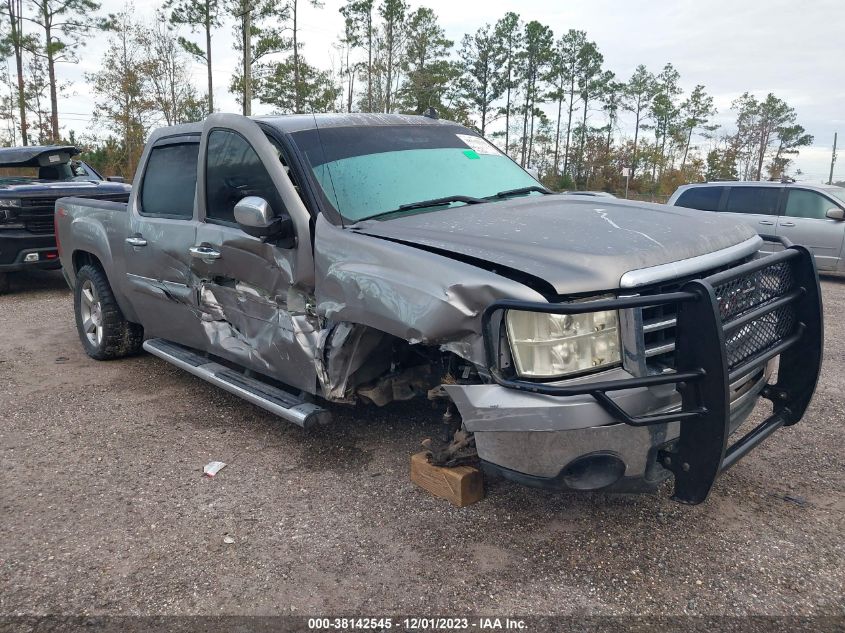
[{"x": 417, "y": 624}]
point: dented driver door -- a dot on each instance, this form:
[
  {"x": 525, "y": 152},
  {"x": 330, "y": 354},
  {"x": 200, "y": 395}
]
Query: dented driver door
[{"x": 254, "y": 295}]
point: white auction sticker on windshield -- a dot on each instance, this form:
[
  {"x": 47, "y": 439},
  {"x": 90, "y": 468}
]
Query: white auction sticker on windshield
[
  {"x": 54, "y": 159},
  {"x": 478, "y": 144}
]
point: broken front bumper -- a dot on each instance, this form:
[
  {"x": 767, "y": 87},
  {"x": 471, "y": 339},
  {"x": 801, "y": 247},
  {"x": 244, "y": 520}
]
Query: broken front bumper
[{"x": 615, "y": 430}]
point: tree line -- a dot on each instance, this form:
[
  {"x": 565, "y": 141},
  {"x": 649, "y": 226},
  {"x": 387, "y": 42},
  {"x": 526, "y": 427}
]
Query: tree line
[{"x": 547, "y": 99}]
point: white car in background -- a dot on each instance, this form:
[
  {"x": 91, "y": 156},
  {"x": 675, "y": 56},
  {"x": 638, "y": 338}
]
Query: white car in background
[{"x": 805, "y": 214}]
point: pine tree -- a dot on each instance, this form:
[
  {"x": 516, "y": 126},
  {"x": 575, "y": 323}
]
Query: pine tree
[
  {"x": 426, "y": 62},
  {"x": 696, "y": 112},
  {"x": 533, "y": 62},
  {"x": 482, "y": 82},
  {"x": 360, "y": 33},
  {"x": 570, "y": 47},
  {"x": 205, "y": 15},
  {"x": 640, "y": 89},
  {"x": 508, "y": 31},
  {"x": 589, "y": 78},
  {"x": 393, "y": 15},
  {"x": 664, "y": 112},
  {"x": 65, "y": 26},
  {"x": 17, "y": 41},
  {"x": 258, "y": 33}
]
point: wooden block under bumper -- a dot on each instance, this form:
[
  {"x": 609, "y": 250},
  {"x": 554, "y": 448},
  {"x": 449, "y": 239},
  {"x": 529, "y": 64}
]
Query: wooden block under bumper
[{"x": 462, "y": 485}]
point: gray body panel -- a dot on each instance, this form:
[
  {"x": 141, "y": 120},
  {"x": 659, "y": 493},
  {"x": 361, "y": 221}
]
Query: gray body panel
[
  {"x": 308, "y": 316},
  {"x": 99, "y": 228},
  {"x": 577, "y": 245}
]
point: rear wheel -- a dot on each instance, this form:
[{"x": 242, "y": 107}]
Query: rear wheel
[
  {"x": 4, "y": 283},
  {"x": 103, "y": 330}
]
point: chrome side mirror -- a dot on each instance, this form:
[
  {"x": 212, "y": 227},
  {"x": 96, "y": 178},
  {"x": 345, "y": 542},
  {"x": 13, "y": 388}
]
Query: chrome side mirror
[
  {"x": 253, "y": 212},
  {"x": 256, "y": 218},
  {"x": 836, "y": 213}
]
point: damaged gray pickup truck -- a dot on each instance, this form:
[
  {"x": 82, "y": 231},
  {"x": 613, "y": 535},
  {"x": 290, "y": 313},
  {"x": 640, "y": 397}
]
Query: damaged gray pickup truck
[{"x": 584, "y": 343}]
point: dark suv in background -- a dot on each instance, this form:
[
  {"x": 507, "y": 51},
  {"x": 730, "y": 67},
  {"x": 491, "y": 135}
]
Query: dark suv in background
[
  {"x": 31, "y": 180},
  {"x": 806, "y": 214}
]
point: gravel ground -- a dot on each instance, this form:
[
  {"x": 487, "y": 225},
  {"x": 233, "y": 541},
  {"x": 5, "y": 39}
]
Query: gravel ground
[{"x": 103, "y": 509}]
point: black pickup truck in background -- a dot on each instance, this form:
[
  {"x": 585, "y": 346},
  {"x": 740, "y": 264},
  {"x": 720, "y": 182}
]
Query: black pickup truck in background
[{"x": 31, "y": 180}]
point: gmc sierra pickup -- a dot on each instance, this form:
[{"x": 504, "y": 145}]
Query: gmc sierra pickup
[
  {"x": 32, "y": 178},
  {"x": 582, "y": 343}
]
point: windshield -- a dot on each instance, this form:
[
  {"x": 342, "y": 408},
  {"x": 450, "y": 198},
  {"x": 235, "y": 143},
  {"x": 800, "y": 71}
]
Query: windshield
[
  {"x": 73, "y": 170},
  {"x": 836, "y": 192},
  {"x": 368, "y": 171}
]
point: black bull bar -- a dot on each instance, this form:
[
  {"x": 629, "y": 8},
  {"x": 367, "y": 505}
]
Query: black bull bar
[{"x": 729, "y": 325}]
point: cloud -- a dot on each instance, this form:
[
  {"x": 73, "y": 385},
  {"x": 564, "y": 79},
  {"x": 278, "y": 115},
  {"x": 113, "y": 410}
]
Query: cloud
[{"x": 793, "y": 49}]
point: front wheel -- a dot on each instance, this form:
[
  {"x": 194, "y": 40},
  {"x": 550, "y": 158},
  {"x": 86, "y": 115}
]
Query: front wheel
[
  {"x": 104, "y": 332},
  {"x": 4, "y": 283}
]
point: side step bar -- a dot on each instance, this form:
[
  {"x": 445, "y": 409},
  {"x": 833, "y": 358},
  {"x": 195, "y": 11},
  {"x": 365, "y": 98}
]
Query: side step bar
[{"x": 270, "y": 398}]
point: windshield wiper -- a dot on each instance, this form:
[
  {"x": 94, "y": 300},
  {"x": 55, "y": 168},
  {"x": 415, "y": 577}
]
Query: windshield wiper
[
  {"x": 423, "y": 204},
  {"x": 439, "y": 202},
  {"x": 522, "y": 190}
]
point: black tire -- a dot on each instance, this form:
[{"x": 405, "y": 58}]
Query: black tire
[
  {"x": 4, "y": 283},
  {"x": 104, "y": 332}
]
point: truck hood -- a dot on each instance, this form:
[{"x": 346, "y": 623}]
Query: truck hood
[{"x": 574, "y": 245}]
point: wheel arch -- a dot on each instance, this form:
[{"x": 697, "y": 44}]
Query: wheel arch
[{"x": 84, "y": 257}]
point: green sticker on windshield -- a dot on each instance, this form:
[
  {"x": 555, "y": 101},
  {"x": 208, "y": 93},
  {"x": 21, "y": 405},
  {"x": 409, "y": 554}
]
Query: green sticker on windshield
[{"x": 471, "y": 154}]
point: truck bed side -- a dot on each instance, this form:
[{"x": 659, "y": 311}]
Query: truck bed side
[{"x": 94, "y": 231}]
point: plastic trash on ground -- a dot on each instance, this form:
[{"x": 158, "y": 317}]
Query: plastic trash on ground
[{"x": 212, "y": 468}]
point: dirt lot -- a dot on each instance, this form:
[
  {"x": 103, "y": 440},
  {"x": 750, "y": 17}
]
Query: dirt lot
[{"x": 103, "y": 509}]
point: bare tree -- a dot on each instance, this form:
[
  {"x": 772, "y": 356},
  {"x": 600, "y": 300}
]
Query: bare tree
[
  {"x": 122, "y": 90},
  {"x": 166, "y": 73}
]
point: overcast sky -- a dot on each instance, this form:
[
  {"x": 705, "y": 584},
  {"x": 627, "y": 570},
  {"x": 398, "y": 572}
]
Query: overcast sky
[{"x": 793, "y": 48}]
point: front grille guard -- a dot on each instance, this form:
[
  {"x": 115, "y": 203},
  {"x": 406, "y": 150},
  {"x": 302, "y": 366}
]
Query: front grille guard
[{"x": 722, "y": 336}]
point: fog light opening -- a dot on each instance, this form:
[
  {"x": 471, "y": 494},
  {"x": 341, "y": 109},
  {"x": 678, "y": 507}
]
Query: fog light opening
[{"x": 593, "y": 472}]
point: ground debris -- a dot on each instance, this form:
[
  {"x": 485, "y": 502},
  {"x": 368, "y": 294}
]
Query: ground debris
[{"x": 212, "y": 468}]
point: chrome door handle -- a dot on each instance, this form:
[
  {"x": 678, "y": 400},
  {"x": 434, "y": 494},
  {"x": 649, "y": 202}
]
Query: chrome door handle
[
  {"x": 136, "y": 241},
  {"x": 204, "y": 252},
  {"x": 787, "y": 223},
  {"x": 767, "y": 222}
]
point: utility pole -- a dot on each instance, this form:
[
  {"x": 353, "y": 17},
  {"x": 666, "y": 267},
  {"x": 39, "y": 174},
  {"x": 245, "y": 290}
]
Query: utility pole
[
  {"x": 832, "y": 159},
  {"x": 247, "y": 24}
]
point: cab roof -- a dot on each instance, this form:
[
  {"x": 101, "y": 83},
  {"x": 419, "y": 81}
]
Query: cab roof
[
  {"x": 289, "y": 123},
  {"x": 298, "y": 122}
]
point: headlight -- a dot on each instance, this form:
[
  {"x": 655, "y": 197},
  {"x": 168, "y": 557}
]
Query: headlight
[
  {"x": 10, "y": 203},
  {"x": 555, "y": 345}
]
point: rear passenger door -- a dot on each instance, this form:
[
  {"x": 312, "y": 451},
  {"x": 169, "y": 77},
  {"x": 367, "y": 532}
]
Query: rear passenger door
[
  {"x": 162, "y": 227},
  {"x": 804, "y": 221},
  {"x": 757, "y": 207}
]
